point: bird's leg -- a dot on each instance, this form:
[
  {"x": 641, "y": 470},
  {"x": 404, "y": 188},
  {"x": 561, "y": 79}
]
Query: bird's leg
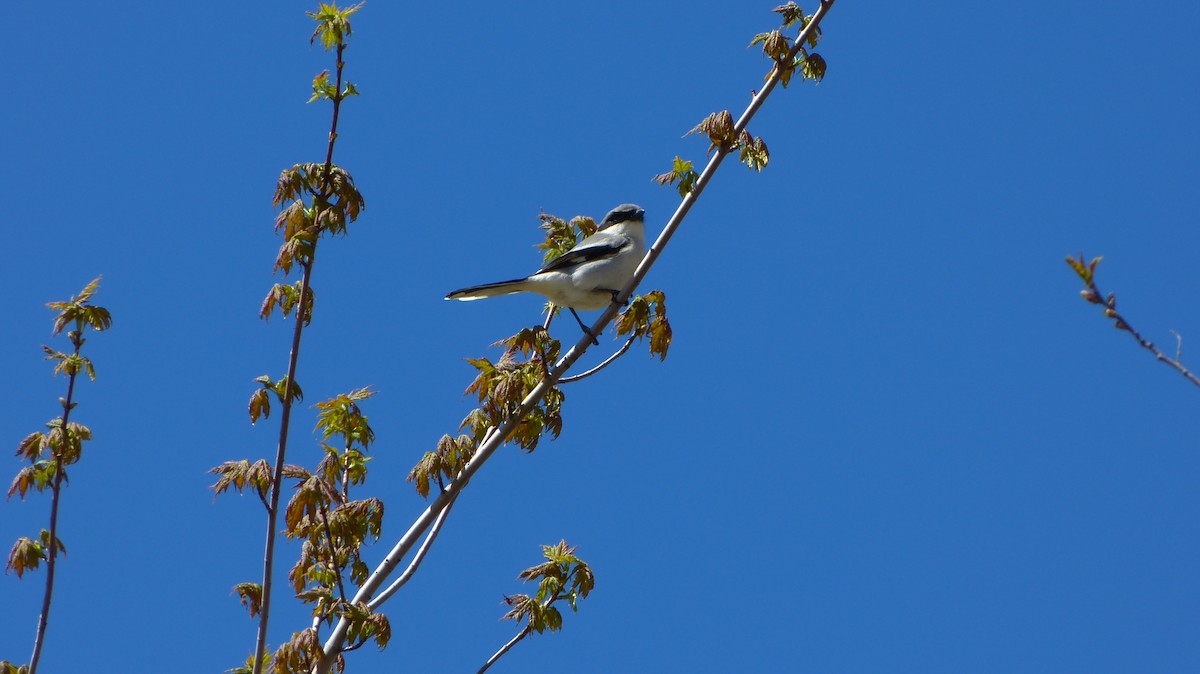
[
  {"x": 586, "y": 329},
  {"x": 615, "y": 294}
]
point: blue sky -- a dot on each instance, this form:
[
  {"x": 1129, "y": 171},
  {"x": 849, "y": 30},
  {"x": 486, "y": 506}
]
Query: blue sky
[{"x": 889, "y": 435}]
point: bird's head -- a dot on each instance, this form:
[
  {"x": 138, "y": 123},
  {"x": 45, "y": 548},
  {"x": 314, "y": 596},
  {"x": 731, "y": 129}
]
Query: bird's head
[{"x": 622, "y": 213}]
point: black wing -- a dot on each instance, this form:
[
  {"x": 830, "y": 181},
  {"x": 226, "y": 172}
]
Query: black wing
[{"x": 591, "y": 253}]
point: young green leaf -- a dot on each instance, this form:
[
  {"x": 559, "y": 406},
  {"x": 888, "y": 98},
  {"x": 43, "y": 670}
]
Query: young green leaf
[{"x": 681, "y": 171}]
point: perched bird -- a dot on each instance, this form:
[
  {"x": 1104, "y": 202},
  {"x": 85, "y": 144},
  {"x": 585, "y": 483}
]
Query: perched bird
[{"x": 590, "y": 275}]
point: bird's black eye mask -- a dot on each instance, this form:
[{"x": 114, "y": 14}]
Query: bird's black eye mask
[{"x": 620, "y": 216}]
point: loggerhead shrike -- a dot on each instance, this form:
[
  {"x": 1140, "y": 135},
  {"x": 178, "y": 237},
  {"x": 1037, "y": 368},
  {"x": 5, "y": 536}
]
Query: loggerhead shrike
[{"x": 590, "y": 275}]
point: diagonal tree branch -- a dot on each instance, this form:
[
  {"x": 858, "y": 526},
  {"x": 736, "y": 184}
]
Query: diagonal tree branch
[
  {"x": 336, "y": 641},
  {"x": 416, "y": 560},
  {"x": 1087, "y": 273},
  {"x": 506, "y": 648}
]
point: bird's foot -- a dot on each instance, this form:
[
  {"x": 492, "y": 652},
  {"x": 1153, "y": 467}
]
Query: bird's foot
[{"x": 586, "y": 329}]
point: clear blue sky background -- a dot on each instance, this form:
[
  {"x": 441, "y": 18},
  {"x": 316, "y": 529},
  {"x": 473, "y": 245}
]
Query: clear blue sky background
[{"x": 889, "y": 436}]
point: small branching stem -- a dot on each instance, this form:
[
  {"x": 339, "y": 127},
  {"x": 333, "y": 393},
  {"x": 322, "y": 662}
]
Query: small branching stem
[
  {"x": 1158, "y": 354},
  {"x": 506, "y": 648},
  {"x": 525, "y": 631},
  {"x": 607, "y": 361},
  {"x": 333, "y": 564},
  {"x": 1122, "y": 323},
  {"x": 334, "y": 644}
]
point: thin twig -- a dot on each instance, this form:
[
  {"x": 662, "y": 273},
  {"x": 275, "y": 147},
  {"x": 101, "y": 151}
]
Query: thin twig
[
  {"x": 1149, "y": 346},
  {"x": 1123, "y": 324},
  {"x": 620, "y": 352},
  {"x": 333, "y": 645},
  {"x": 333, "y": 565},
  {"x": 506, "y": 648}
]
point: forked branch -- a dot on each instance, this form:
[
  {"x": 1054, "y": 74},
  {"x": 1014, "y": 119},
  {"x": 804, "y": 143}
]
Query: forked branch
[{"x": 335, "y": 643}]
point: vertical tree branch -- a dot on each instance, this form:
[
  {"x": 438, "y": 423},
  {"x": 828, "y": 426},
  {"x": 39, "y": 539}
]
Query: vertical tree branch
[
  {"x": 264, "y": 615},
  {"x": 302, "y": 317},
  {"x": 56, "y": 490}
]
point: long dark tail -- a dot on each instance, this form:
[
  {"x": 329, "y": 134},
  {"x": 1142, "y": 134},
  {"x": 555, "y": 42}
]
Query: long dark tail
[{"x": 489, "y": 290}]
